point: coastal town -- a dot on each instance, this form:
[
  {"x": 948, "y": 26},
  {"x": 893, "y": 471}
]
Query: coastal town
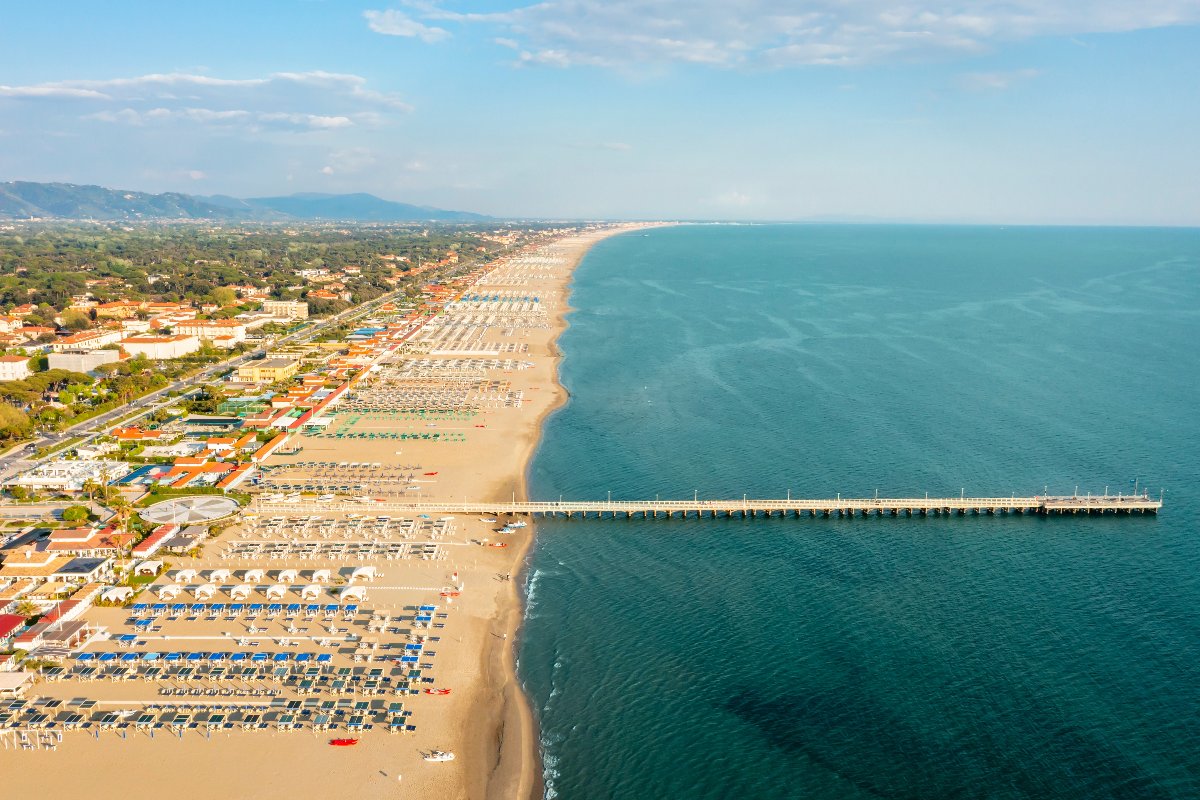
[{"x": 167, "y": 591}]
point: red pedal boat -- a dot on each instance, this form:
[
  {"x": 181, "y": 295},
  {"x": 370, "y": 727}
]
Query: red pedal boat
[
  {"x": 437, "y": 691},
  {"x": 343, "y": 742}
]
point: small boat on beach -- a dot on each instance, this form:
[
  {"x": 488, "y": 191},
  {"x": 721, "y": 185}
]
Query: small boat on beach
[
  {"x": 497, "y": 544},
  {"x": 439, "y": 692},
  {"x": 439, "y": 755},
  {"x": 343, "y": 742}
]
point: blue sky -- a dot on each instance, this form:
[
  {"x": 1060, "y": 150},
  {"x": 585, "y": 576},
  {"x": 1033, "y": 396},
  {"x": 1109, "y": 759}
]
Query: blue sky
[{"x": 1021, "y": 111}]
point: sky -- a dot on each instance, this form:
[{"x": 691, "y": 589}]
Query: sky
[{"x": 991, "y": 111}]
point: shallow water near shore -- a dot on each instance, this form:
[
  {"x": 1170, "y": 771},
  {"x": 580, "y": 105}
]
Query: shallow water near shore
[{"x": 1000, "y": 657}]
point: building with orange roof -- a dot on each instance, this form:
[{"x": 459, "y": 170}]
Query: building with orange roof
[
  {"x": 135, "y": 434},
  {"x": 94, "y": 542},
  {"x": 85, "y": 341}
]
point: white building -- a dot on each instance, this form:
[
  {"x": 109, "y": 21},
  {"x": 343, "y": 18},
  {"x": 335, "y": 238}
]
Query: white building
[
  {"x": 82, "y": 362},
  {"x": 221, "y": 332},
  {"x": 69, "y": 476},
  {"x": 86, "y": 341},
  {"x": 160, "y": 348},
  {"x": 288, "y": 309},
  {"x": 14, "y": 368}
]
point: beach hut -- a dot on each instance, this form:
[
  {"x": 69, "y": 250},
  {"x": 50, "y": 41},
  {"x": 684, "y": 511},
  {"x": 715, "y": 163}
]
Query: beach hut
[
  {"x": 241, "y": 592},
  {"x": 276, "y": 592},
  {"x": 117, "y": 594},
  {"x": 322, "y": 576},
  {"x": 148, "y": 568},
  {"x": 354, "y": 593},
  {"x": 185, "y": 575},
  {"x": 288, "y": 576},
  {"x": 310, "y": 592},
  {"x": 220, "y": 575},
  {"x": 254, "y": 576},
  {"x": 363, "y": 573},
  {"x": 168, "y": 591},
  {"x": 205, "y": 592}
]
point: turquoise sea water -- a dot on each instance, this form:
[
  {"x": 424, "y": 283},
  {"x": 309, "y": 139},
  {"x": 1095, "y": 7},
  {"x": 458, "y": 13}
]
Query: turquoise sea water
[{"x": 1004, "y": 657}]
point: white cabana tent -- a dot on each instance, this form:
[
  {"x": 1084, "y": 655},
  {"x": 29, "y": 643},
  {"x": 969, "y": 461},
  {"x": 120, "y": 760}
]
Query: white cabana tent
[
  {"x": 363, "y": 573},
  {"x": 288, "y": 576},
  {"x": 358, "y": 593},
  {"x": 322, "y": 576},
  {"x": 253, "y": 576},
  {"x": 148, "y": 568},
  {"x": 205, "y": 592},
  {"x": 220, "y": 575},
  {"x": 241, "y": 591},
  {"x": 276, "y": 592},
  {"x": 117, "y": 594},
  {"x": 168, "y": 591},
  {"x": 185, "y": 575},
  {"x": 310, "y": 592}
]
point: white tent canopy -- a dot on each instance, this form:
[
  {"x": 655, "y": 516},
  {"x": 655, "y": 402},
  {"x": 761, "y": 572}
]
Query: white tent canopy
[
  {"x": 168, "y": 591},
  {"x": 185, "y": 575},
  {"x": 310, "y": 592},
  {"x": 322, "y": 576},
  {"x": 219, "y": 575},
  {"x": 241, "y": 591},
  {"x": 148, "y": 568},
  {"x": 205, "y": 592},
  {"x": 253, "y": 576},
  {"x": 288, "y": 576},
  {"x": 354, "y": 593},
  {"x": 363, "y": 573},
  {"x": 117, "y": 594},
  {"x": 276, "y": 592}
]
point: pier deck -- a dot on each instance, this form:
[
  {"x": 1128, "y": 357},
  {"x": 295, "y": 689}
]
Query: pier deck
[{"x": 649, "y": 509}]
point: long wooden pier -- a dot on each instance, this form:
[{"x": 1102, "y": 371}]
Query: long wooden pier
[{"x": 745, "y": 507}]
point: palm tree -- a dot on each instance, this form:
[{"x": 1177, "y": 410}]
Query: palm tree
[{"x": 27, "y": 608}]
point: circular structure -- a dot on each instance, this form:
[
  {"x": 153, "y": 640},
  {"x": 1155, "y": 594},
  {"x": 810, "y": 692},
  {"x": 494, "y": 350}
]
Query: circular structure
[{"x": 190, "y": 510}]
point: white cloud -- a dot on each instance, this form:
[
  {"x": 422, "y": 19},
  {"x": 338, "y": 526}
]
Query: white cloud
[
  {"x": 327, "y": 170},
  {"x": 395, "y": 23},
  {"x": 313, "y": 121},
  {"x": 995, "y": 81},
  {"x": 352, "y": 159},
  {"x": 51, "y": 92},
  {"x": 296, "y": 101},
  {"x": 228, "y": 118},
  {"x": 733, "y": 199},
  {"x": 196, "y": 174},
  {"x": 781, "y": 33}
]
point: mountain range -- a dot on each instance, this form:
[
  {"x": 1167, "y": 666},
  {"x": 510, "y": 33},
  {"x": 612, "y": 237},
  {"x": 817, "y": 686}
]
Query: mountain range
[{"x": 68, "y": 201}]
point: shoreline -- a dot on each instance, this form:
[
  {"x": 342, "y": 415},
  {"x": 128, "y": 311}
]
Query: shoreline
[{"x": 518, "y": 768}]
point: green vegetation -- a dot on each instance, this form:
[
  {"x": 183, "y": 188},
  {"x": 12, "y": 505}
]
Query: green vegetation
[
  {"x": 75, "y": 514},
  {"x": 48, "y": 265}
]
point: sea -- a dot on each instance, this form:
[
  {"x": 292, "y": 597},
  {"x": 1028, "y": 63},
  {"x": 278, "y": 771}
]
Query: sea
[{"x": 922, "y": 658}]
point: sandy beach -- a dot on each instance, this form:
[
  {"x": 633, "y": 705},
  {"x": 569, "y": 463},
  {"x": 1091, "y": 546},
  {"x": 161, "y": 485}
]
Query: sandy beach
[{"x": 483, "y": 454}]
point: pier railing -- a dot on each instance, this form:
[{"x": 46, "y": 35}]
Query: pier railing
[{"x": 880, "y": 506}]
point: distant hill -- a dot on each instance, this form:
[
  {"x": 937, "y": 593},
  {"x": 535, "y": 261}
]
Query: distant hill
[
  {"x": 28, "y": 200},
  {"x": 359, "y": 207}
]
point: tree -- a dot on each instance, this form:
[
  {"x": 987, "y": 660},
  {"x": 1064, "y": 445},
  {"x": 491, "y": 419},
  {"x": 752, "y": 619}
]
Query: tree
[
  {"x": 76, "y": 320},
  {"x": 75, "y": 514},
  {"x": 224, "y": 296},
  {"x": 27, "y": 609},
  {"x": 14, "y": 423}
]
